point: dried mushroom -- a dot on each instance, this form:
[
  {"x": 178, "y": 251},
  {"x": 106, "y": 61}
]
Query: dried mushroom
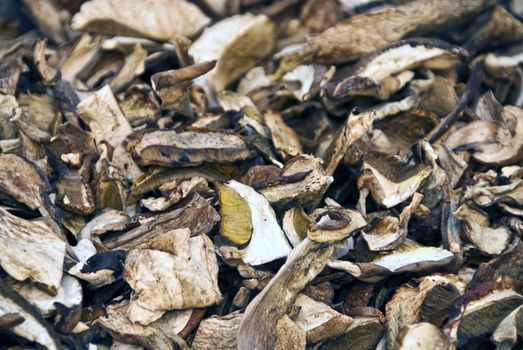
[{"x": 261, "y": 174}]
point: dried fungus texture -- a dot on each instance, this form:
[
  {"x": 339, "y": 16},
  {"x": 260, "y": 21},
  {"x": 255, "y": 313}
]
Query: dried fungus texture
[{"x": 261, "y": 174}]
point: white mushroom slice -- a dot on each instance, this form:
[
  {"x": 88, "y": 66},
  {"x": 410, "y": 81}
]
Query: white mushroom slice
[
  {"x": 390, "y": 182},
  {"x": 31, "y": 250},
  {"x": 34, "y": 327},
  {"x": 69, "y": 294},
  {"x": 253, "y": 79},
  {"x": 158, "y": 20},
  {"x": 171, "y": 271},
  {"x": 295, "y": 224},
  {"x": 477, "y": 230},
  {"x": 267, "y": 241},
  {"x": 492, "y": 143},
  {"x": 319, "y": 321},
  {"x": 506, "y": 334},
  {"x": 107, "y": 122},
  {"x": 238, "y": 43},
  {"x": 422, "y": 336}
]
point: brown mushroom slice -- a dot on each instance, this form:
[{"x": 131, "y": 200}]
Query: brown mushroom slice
[
  {"x": 305, "y": 190},
  {"x": 283, "y": 137},
  {"x": 364, "y": 333},
  {"x": 389, "y": 181},
  {"x": 247, "y": 215},
  {"x": 422, "y": 336},
  {"x": 133, "y": 66},
  {"x": 34, "y": 327},
  {"x": 331, "y": 224},
  {"x": 369, "y": 31},
  {"x": 68, "y": 294},
  {"x": 507, "y": 332},
  {"x": 74, "y": 192},
  {"x": 41, "y": 110},
  {"x": 181, "y": 189},
  {"x": 477, "y": 230},
  {"x": 258, "y": 327},
  {"x": 139, "y": 105},
  {"x": 8, "y": 104},
  {"x": 437, "y": 94},
  {"x": 157, "y": 335},
  {"x": 480, "y": 311},
  {"x": 217, "y": 332},
  {"x": 319, "y": 321},
  {"x": 411, "y": 303},
  {"x": 197, "y": 215},
  {"x": 47, "y": 73},
  {"x": 238, "y": 43},
  {"x": 172, "y": 85},
  {"x": 31, "y": 250},
  {"x": 188, "y": 148},
  {"x": 408, "y": 257},
  {"x": 23, "y": 180},
  {"x": 107, "y": 122},
  {"x": 389, "y": 232},
  {"x": 158, "y": 20},
  {"x": 81, "y": 56},
  {"x": 384, "y": 72},
  {"x": 48, "y": 19},
  {"x": 289, "y": 335},
  {"x": 491, "y": 142},
  {"x": 171, "y": 271}
]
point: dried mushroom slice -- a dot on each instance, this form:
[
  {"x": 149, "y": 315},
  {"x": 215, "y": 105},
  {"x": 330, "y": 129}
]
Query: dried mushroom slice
[
  {"x": 186, "y": 268},
  {"x": 258, "y": 324},
  {"x": 507, "y": 332},
  {"x": 389, "y": 181},
  {"x": 479, "y": 311},
  {"x": 295, "y": 224},
  {"x": 421, "y": 300},
  {"x": 492, "y": 143},
  {"x": 422, "y": 336},
  {"x": 389, "y": 232},
  {"x": 107, "y": 122},
  {"x": 187, "y": 148},
  {"x": 158, "y": 20},
  {"x": 97, "y": 269},
  {"x": 33, "y": 327},
  {"x": 23, "y": 180},
  {"x": 331, "y": 224},
  {"x": 386, "y": 71},
  {"x": 408, "y": 257},
  {"x": 319, "y": 321},
  {"x": 363, "y": 333},
  {"x": 176, "y": 192},
  {"x": 68, "y": 294},
  {"x": 284, "y": 138},
  {"x": 248, "y": 217},
  {"x": 238, "y": 43},
  {"x": 303, "y": 180},
  {"x": 197, "y": 215},
  {"x": 476, "y": 229},
  {"x": 139, "y": 105},
  {"x": 133, "y": 66},
  {"x": 289, "y": 335},
  {"x": 217, "y": 332},
  {"x": 31, "y": 250}
]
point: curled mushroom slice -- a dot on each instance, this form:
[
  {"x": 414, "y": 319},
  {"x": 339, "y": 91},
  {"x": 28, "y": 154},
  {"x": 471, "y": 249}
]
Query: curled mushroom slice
[
  {"x": 188, "y": 148},
  {"x": 248, "y": 217},
  {"x": 295, "y": 224},
  {"x": 507, "y": 332},
  {"x": 31, "y": 250},
  {"x": 422, "y": 336},
  {"x": 477, "y": 230},
  {"x": 177, "y": 190},
  {"x": 218, "y": 332},
  {"x": 133, "y": 66},
  {"x": 332, "y": 224},
  {"x": 238, "y": 43},
  {"x": 140, "y": 105},
  {"x": 427, "y": 299},
  {"x": 491, "y": 142},
  {"x": 170, "y": 272},
  {"x": 384, "y": 72},
  {"x": 319, "y": 321},
  {"x": 389, "y": 232},
  {"x": 284, "y": 138},
  {"x": 34, "y": 327},
  {"x": 302, "y": 180},
  {"x": 408, "y": 257},
  {"x": 157, "y": 20},
  {"x": 480, "y": 310},
  {"x": 389, "y": 181}
]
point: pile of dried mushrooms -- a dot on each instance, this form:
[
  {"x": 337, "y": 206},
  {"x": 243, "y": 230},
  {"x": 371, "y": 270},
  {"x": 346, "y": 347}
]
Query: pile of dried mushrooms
[{"x": 257, "y": 174}]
